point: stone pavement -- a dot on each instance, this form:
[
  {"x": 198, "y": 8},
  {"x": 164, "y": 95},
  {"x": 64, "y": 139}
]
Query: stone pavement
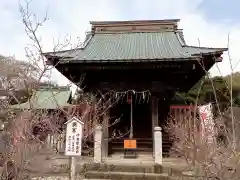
[
  {"x": 50, "y": 161},
  {"x": 145, "y": 159},
  {"x": 61, "y": 178},
  {"x": 51, "y": 165}
]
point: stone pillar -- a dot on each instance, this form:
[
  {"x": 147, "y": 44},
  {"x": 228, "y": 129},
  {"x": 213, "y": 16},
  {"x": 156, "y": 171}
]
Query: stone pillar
[
  {"x": 105, "y": 135},
  {"x": 158, "y": 145},
  {"x": 98, "y": 144}
]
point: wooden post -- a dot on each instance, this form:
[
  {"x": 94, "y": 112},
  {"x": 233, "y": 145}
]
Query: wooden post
[
  {"x": 155, "y": 111},
  {"x": 154, "y": 117},
  {"x": 105, "y": 134},
  {"x": 73, "y": 168}
]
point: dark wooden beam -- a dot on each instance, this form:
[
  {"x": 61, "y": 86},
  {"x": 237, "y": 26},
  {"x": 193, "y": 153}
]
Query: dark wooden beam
[
  {"x": 143, "y": 65},
  {"x": 178, "y": 76},
  {"x": 153, "y": 87}
]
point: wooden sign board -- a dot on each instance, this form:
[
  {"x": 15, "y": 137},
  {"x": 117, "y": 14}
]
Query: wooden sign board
[
  {"x": 130, "y": 144},
  {"x": 74, "y": 133}
]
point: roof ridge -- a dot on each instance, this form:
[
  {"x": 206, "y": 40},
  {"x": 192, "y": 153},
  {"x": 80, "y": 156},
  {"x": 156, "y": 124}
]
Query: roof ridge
[
  {"x": 180, "y": 39},
  {"x": 88, "y": 38},
  {"x": 61, "y": 51},
  {"x": 83, "y": 45},
  {"x": 136, "y": 32},
  {"x": 135, "y": 21}
]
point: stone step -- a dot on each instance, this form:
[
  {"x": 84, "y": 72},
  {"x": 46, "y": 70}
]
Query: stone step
[
  {"x": 150, "y": 146},
  {"x": 126, "y": 175},
  {"x": 121, "y": 168},
  {"x": 137, "y": 168},
  {"x": 165, "y": 150},
  {"x": 120, "y": 149},
  {"x": 141, "y": 143},
  {"x": 138, "y": 142},
  {"x": 140, "y": 139},
  {"x": 119, "y": 142},
  {"x": 165, "y": 154}
]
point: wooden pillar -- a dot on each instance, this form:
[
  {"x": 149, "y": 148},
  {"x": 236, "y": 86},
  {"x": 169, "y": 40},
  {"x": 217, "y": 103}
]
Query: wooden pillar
[
  {"x": 105, "y": 134},
  {"x": 154, "y": 117},
  {"x": 155, "y": 112}
]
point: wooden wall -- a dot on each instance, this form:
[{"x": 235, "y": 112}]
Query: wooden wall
[{"x": 134, "y": 26}]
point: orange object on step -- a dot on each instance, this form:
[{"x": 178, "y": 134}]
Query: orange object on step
[{"x": 130, "y": 144}]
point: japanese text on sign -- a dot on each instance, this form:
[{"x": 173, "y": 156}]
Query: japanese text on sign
[
  {"x": 74, "y": 137},
  {"x": 130, "y": 144}
]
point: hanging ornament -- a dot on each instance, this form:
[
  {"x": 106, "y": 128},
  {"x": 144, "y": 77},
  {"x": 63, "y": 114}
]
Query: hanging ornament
[
  {"x": 140, "y": 98},
  {"x": 136, "y": 97},
  {"x": 148, "y": 96},
  {"x": 129, "y": 100}
]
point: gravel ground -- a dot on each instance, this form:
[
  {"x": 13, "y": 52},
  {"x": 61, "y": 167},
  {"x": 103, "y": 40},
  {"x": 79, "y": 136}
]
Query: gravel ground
[
  {"x": 51, "y": 178},
  {"x": 59, "y": 178}
]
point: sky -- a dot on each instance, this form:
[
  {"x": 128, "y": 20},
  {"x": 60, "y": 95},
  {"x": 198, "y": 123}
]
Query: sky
[{"x": 212, "y": 23}]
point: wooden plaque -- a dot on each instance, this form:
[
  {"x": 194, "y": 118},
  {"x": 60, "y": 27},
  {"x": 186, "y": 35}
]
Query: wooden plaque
[{"x": 130, "y": 144}]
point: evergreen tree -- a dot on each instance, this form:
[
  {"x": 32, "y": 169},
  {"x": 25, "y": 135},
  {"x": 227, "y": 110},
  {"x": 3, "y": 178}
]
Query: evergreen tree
[{"x": 215, "y": 89}]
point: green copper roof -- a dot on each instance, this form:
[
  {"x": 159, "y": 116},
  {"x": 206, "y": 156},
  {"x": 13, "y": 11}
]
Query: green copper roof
[
  {"x": 165, "y": 45},
  {"x": 46, "y": 99}
]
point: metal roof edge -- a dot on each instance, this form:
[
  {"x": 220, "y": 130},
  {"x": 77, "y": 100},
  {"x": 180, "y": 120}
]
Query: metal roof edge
[
  {"x": 124, "y": 60},
  {"x": 210, "y": 48},
  {"x": 179, "y": 38},
  {"x": 84, "y": 44},
  {"x": 89, "y": 37},
  {"x": 52, "y": 52},
  {"x": 218, "y": 50},
  {"x": 207, "y": 53}
]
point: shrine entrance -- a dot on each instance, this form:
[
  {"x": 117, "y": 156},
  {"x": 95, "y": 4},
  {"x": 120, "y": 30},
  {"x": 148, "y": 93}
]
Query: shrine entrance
[
  {"x": 132, "y": 113},
  {"x": 142, "y": 120}
]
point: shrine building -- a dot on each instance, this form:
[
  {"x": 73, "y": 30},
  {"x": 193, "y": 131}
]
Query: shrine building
[{"x": 146, "y": 62}]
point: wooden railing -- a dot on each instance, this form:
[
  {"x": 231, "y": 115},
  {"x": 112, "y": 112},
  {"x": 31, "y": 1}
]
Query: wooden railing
[
  {"x": 56, "y": 142},
  {"x": 185, "y": 114},
  {"x": 188, "y": 116}
]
